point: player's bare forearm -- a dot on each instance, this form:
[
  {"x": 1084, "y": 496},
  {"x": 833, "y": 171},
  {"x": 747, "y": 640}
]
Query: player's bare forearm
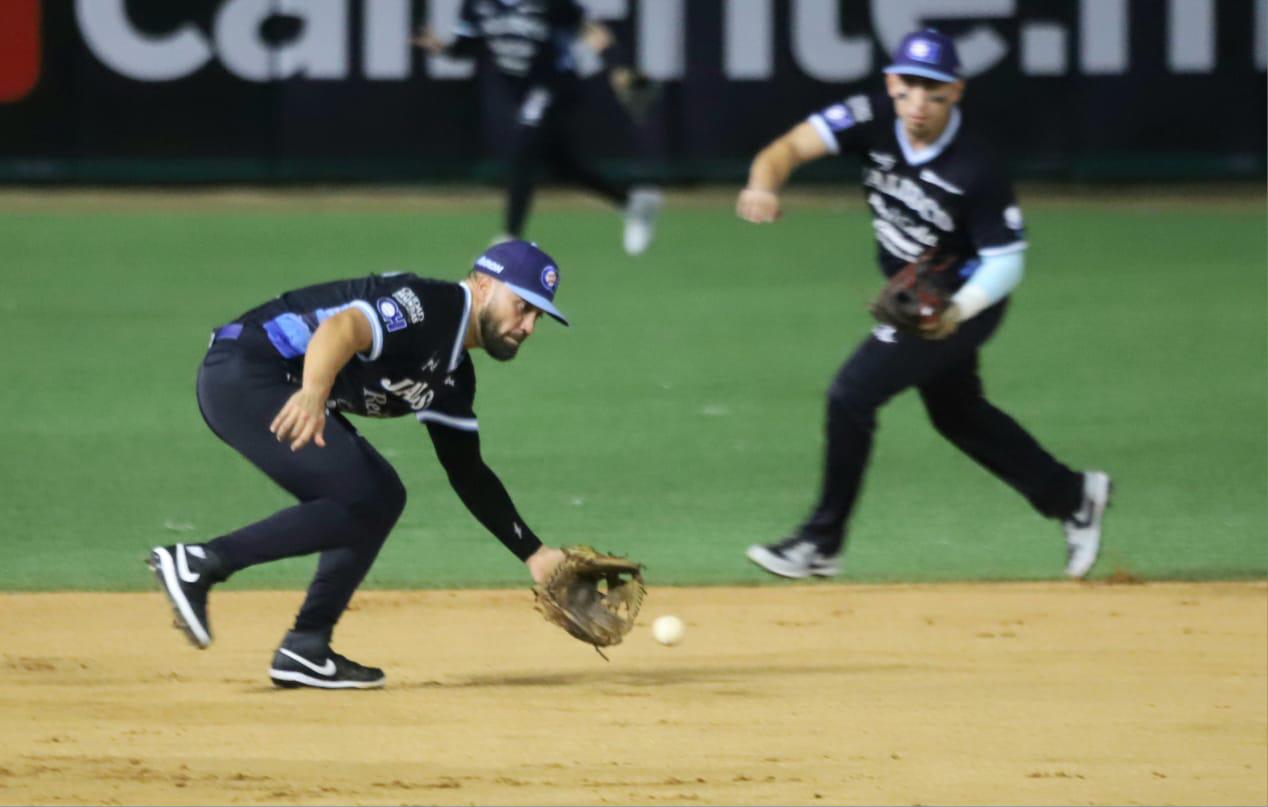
[
  {"x": 333, "y": 345},
  {"x": 772, "y": 167},
  {"x": 759, "y": 201},
  {"x": 302, "y": 419}
]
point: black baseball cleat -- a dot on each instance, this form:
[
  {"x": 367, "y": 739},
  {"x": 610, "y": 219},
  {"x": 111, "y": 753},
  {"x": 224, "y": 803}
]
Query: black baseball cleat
[
  {"x": 186, "y": 572},
  {"x": 794, "y": 557},
  {"x": 306, "y": 660}
]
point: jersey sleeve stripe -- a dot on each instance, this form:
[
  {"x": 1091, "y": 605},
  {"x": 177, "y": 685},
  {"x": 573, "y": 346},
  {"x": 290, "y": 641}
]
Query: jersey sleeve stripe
[
  {"x": 455, "y": 357},
  {"x": 465, "y": 424},
  {"x": 376, "y": 329},
  {"x": 1006, "y": 249},
  {"x": 821, "y": 126}
]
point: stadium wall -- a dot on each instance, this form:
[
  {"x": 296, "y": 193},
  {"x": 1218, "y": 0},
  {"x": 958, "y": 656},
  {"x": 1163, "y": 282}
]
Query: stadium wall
[{"x": 149, "y": 91}]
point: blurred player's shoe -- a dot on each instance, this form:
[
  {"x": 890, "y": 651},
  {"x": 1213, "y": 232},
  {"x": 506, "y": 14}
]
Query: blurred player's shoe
[
  {"x": 1083, "y": 529},
  {"x": 186, "y": 573},
  {"x": 641, "y": 209},
  {"x": 500, "y": 238},
  {"x": 306, "y": 660},
  {"x": 794, "y": 557}
]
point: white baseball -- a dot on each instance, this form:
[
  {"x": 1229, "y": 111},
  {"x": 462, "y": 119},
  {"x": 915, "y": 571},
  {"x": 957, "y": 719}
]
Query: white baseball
[{"x": 668, "y": 630}]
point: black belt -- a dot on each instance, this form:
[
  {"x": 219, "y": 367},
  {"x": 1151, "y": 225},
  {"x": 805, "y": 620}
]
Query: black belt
[{"x": 231, "y": 331}]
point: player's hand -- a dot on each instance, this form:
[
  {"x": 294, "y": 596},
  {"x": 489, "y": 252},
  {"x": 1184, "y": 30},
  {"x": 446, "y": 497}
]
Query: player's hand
[
  {"x": 757, "y": 206},
  {"x": 301, "y": 420},
  {"x": 426, "y": 40},
  {"x": 597, "y": 37},
  {"x": 542, "y": 562},
  {"x": 945, "y": 325}
]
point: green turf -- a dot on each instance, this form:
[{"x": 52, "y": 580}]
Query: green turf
[{"x": 678, "y": 421}]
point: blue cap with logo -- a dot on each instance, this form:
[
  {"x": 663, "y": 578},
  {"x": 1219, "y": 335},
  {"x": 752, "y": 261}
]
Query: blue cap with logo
[
  {"x": 529, "y": 271},
  {"x": 927, "y": 53}
]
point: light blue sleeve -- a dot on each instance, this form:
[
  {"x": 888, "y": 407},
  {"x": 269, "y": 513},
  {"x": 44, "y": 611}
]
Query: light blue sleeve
[{"x": 994, "y": 279}]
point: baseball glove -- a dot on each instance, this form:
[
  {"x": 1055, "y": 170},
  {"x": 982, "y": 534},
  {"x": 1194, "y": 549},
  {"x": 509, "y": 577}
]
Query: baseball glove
[
  {"x": 913, "y": 300},
  {"x": 593, "y": 596}
]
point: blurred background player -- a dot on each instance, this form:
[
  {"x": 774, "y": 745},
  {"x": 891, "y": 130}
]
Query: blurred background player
[
  {"x": 930, "y": 186},
  {"x": 381, "y": 346},
  {"x": 535, "y": 54}
]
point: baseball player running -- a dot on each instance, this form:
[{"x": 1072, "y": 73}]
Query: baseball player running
[
  {"x": 276, "y": 384},
  {"x": 930, "y": 186},
  {"x": 537, "y": 52}
]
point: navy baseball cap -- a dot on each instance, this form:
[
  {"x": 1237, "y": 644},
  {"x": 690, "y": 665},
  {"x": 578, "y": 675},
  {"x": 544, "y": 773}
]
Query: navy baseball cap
[
  {"x": 529, "y": 271},
  {"x": 927, "y": 53}
]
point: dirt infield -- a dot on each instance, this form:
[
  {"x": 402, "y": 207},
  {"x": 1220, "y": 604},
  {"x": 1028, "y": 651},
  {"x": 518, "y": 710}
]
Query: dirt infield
[{"x": 1017, "y": 693}]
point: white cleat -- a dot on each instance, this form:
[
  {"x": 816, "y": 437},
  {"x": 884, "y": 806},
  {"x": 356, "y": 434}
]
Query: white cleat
[
  {"x": 1083, "y": 529},
  {"x": 641, "y": 209},
  {"x": 795, "y": 558}
]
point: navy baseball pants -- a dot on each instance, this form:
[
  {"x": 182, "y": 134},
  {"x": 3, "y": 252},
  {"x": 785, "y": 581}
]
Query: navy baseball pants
[
  {"x": 548, "y": 128},
  {"x": 945, "y": 372},
  {"x": 349, "y": 496}
]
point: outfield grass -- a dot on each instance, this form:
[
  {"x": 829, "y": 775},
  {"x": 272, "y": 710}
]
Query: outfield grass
[{"x": 678, "y": 420}]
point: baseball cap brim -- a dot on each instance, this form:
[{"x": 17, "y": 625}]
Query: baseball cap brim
[
  {"x": 926, "y": 72},
  {"x": 536, "y": 299}
]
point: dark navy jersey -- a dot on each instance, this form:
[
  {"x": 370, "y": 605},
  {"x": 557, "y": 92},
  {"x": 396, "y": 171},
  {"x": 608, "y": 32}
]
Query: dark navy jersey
[
  {"x": 416, "y": 364},
  {"x": 525, "y": 39},
  {"x": 951, "y": 195}
]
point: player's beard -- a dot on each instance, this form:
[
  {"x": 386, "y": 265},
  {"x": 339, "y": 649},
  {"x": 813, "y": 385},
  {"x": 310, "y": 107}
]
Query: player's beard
[{"x": 502, "y": 348}]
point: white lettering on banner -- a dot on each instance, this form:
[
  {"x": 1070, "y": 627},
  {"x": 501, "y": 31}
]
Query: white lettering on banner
[
  {"x": 384, "y": 39},
  {"x": 1103, "y": 36},
  {"x": 137, "y": 55},
  {"x": 1261, "y": 34},
  {"x": 319, "y": 52},
  {"x": 1190, "y": 36},
  {"x": 749, "y": 49},
  {"x": 662, "y": 31},
  {"x": 820, "y": 45},
  {"x": 980, "y": 48},
  {"x": 821, "y": 51},
  {"x": 1043, "y": 49},
  {"x": 442, "y": 15}
]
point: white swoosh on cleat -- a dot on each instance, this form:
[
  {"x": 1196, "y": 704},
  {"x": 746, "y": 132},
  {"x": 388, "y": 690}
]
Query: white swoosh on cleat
[
  {"x": 324, "y": 669},
  {"x": 182, "y": 566}
]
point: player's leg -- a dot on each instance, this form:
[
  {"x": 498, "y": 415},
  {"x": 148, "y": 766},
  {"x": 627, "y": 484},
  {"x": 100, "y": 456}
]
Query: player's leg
[
  {"x": 345, "y": 491},
  {"x": 341, "y": 569},
  {"x": 884, "y": 365},
  {"x": 569, "y": 139},
  {"x": 528, "y": 153},
  {"x": 959, "y": 410},
  {"x": 640, "y": 204}
]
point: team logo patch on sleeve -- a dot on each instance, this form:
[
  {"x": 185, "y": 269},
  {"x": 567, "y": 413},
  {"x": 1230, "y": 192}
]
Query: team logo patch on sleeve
[
  {"x": 390, "y": 313},
  {"x": 838, "y": 117}
]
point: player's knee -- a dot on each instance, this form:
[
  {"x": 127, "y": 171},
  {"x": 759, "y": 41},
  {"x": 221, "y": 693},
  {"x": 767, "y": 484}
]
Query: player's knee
[
  {"x": 847, "y": 404},
  {"x": 378, "y": 505},
  {"x": 949, "y": 417}
]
